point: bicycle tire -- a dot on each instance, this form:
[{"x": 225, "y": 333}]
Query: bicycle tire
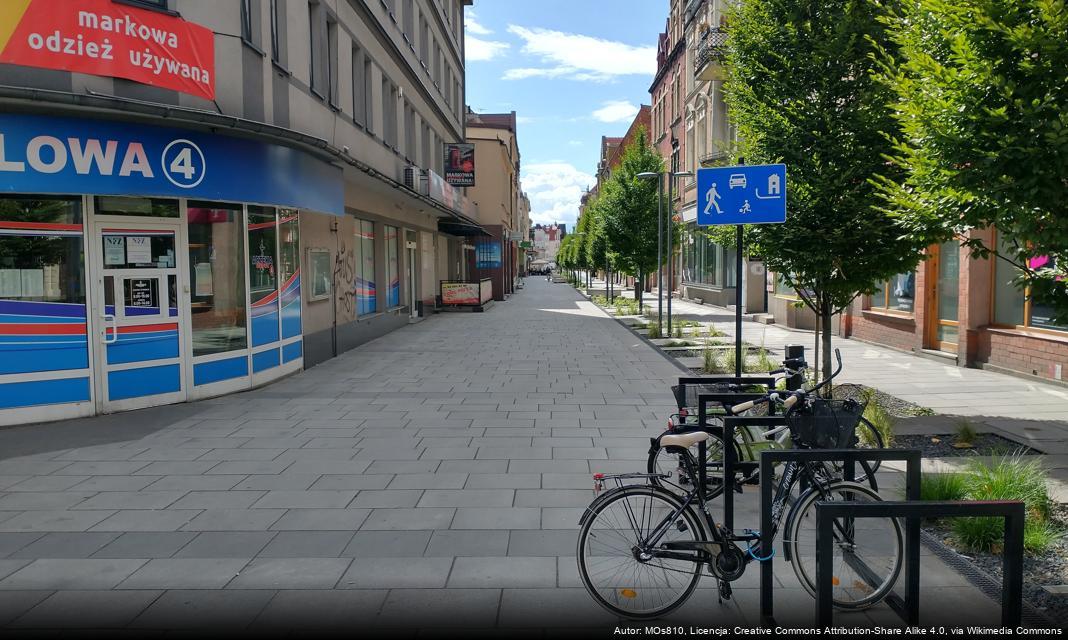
[
  {"x": 662, "y": 461},
  {"x": 802, "y": 548},
  {"x": 628, "y": 568}
]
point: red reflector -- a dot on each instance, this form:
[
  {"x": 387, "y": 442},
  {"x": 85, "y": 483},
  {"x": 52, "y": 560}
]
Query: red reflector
[
  {"x": 598, "y": 476},
  {"x": 683, "y": 413}
]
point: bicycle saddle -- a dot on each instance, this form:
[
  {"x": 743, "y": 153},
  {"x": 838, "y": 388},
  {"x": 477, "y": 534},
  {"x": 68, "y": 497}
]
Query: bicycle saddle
[{"x": 684, "y": 440}]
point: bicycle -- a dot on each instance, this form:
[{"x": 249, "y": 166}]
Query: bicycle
[
  {"x": 748, "y": 441},
  {"x": 642, "y": 548}
]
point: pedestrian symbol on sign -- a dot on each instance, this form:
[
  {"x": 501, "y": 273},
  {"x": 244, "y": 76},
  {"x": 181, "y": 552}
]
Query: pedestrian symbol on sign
[{"x": 713, "y": 200}]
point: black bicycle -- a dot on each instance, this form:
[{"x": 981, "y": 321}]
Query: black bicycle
[
  {"x": 642, "y": 547},
  {"x": 748, "y": 441}
]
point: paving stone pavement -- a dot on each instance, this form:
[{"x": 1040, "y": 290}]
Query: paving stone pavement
[{"x": 432, "y": 478}]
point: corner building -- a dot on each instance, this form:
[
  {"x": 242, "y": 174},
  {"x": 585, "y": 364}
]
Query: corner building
[{"x": 171, "y": 233}]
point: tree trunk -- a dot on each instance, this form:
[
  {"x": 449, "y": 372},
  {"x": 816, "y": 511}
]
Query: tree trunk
[{"x": 828, "y": 361}]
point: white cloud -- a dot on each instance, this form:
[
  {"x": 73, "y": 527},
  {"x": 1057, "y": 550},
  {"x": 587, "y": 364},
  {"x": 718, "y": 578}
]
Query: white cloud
[
  {"x": 555, "y": 189},
  {"x": 616, "y": 111},
  {"x": 479, "y": 50},
  {"x": 575, "y": 143},
  {"x": 579, "y": 57},
  {"x": 524, "y": 119},
  {"x": 472, "y": 25}
]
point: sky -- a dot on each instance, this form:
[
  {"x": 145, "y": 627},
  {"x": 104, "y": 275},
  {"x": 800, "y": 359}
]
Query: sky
[{"x": 573, "y": 71}]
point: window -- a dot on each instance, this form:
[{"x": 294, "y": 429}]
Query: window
[
  {"x": 278, "y": 21},
  {"x": 424, "y": 43},
  {"x": 331, "y": 60},
  {"x": 427, "y": 158},
  {"x": 701, "y": 258},
  {"x": 783, "y": 289},
  {"x": 289, "y": 271},
  {"x": 1013, "y": 306},
  {"x": 317, "y": 59},
  {"x": 437, "y": 64},
  {"x": 896, "y": 294},
  {"x": 217, "y": 277},
  {"x": 42, "y": 276},
  {"x": 263, "y": 273},
  {"x": 368, "y": 116},
  {"x": 392, "y": 267},
  {"x": 364, "y": 248},
  {"x": 409, "y": 20},
  {"x": 359, "y": 87},
  {"x": 389, "y": 112},
  {"x": 128, "y": 206},
  {"x": 246, "y": 21},
  {"x": 409, "y": 131}
]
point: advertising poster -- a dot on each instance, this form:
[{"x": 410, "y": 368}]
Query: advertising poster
[
  {"x": 138, "y": 250},
  {"x": 107, "y": 38},
  {"x": 460, "y": 164},
  {"x": 459, "y": 293}
]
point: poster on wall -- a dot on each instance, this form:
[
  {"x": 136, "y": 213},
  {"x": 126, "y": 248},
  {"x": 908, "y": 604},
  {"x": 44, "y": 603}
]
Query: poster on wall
[
  {"x": 114, "y": 250},
  {"x": 138, "y": 249},
  {"x": 106, "y": 38},
  {"x": 460, "y": 164}
]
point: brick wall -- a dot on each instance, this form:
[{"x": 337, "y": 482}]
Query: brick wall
[
  {"x": 893, "y": 331},
  {"x": 1024, "y": 352}
]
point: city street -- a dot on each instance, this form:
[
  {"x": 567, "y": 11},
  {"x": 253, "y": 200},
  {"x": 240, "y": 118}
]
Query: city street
[{"x": 431, "y": 478}]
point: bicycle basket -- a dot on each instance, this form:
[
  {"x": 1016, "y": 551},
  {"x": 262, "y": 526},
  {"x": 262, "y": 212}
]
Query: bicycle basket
[{"x": 825, "y": 424}]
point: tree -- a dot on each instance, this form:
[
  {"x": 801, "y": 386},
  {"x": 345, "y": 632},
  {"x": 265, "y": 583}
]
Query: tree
[
  {"x": 983, "y": 105},
  {"x": 800, "y": 90},
  {"x": 631, "y": 210}
]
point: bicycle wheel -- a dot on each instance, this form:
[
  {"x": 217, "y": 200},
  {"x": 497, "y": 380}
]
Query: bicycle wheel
[
  {"x": 609, "y": 562},
  {"x": 867, "y": 552},
  {"x": 665, "y": 462}
]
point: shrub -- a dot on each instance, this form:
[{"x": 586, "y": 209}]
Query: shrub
[
  {"x": 762, "y": 364},
  {"x": 942, "y": 486},
  {"x": 711, "y": 357},
  {"x": 654, "y": 330},
  {"x": 1009, "y": 478},
  {"x": 879, "y": 417},
  {"x": 966, "y": 434},
  {"x": 678, "y": 330}
]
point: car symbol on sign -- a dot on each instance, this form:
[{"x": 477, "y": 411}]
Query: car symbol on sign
[{"x": 737, "y": 180}]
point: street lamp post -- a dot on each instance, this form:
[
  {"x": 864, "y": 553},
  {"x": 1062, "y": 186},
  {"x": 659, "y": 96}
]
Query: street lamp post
[
  {"x": 648, "y": 175},
  {"x": 670, "y": 235}
]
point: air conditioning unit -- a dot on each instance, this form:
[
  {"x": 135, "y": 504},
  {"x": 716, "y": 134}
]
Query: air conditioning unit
[{"x": 415, "y": 179}]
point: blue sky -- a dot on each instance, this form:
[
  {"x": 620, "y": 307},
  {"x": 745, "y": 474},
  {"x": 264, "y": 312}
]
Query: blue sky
[{"x": 572, "y": 70}]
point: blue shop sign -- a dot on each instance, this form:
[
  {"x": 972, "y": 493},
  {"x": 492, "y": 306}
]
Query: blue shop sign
[{"x": 103, "y": 157}]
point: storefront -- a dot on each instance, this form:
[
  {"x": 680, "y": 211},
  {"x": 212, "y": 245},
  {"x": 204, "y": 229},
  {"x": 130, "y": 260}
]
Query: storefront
[{"x": 142, "y": 265}]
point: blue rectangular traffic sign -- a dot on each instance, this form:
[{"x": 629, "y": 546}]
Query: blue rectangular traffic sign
[{"x": 751, "y": 194}]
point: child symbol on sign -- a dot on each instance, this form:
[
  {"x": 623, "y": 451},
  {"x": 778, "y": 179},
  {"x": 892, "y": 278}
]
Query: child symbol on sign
[{"x": 745, "y": 208}]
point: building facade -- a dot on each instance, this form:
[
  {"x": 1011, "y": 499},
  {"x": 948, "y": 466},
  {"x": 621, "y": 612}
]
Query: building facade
[
  {"x": 258, "y": 203},
  {"x": 546, "y": 241},
  {"x": 497, "y": 195},
  {"x": 966, "y": 310}
]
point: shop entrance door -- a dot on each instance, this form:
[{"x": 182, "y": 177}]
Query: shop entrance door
[
  {"x": 943, "y": 269},
  {"x": 137, "y": 313}
]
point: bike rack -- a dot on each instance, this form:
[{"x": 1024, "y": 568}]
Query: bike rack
[
  {"x": 907, "y": 609},
  {"x": 729, "y": 424},
  {"x": 1012, "y": 559}
]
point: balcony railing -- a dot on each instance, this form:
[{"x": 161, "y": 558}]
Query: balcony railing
[{"x": 711, "y": 49}]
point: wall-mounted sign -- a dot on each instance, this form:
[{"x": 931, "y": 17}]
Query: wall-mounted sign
[
  {"x": 100, "y": 157},
  {"x": 106, "y": 38},
  {"x": 460, "y": 164},
  {"x": 488, "y": 255}
]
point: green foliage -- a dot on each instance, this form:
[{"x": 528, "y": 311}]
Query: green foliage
[
  {"x": 965, "y": 432},
  {"x": 801, "y": 92},
  {"x": 677, "y": 331},
  {"x": 983, "y": 106},
  {"x": 711, "y": 360},
  {"x": 880, "y": 418},
  {"x": 1008, "y": 478},
  {"x": 761, "y": 364},
  {"x": 942, "y": 486},
  {"x": 630, "y": 208},
  {"x": 654, "y": 330}
]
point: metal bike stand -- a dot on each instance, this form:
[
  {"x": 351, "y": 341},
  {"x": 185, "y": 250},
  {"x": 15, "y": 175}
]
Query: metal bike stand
[
  {"x": 911, "y": 457},
  {"x": 729, "y": 425},
  {"x": 1012, "y": 559}
]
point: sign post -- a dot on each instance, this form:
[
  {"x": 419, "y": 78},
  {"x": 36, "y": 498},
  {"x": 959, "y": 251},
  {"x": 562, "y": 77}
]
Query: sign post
[{"x": 741, "y": 195}]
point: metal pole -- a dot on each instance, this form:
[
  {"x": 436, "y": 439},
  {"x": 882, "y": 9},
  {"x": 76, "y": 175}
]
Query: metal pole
[
  {"x": 670, "y": 233},
  {"x": 738, "y": 361},
  {"x": 659, "y": 249}
]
